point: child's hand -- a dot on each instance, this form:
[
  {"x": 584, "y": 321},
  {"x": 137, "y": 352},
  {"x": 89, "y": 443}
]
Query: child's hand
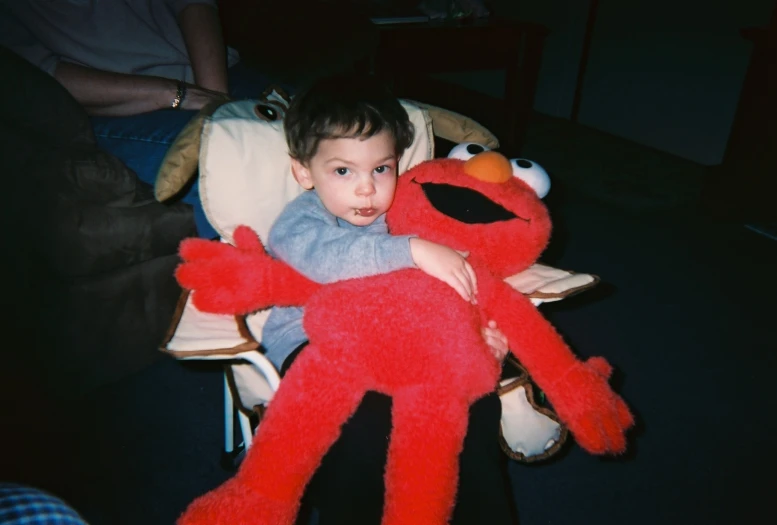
[
  {"x": 496, "y": 340},
  {"x": 447, "y": 265}
]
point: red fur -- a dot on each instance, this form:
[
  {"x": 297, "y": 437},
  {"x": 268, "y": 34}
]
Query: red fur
[
  {"x": 409, "y": 336},
  {"x": 225, "y": 279}
]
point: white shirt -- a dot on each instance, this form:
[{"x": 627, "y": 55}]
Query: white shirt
[{"x": 124, "y": 36}]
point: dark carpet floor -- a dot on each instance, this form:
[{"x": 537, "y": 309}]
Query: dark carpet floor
[{"x": 686, "y": 312}]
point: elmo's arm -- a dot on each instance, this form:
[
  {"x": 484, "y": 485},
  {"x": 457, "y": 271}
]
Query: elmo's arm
[
  {"x": 579, "y": 391},
  {"x": 239, "y": 279}
]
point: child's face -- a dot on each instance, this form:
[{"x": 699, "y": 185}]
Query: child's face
[{"x": 355, "y": 178}]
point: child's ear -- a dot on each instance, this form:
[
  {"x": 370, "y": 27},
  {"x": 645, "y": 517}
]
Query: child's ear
[{"x": 301, "y": 174}]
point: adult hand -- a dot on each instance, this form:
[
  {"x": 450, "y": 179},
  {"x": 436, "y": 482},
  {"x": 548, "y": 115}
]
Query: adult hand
[{"x": 198, "y": 97}]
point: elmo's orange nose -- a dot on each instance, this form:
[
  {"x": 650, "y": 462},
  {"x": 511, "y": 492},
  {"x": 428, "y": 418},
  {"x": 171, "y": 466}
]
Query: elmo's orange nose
[{"x": 489, "y": 166}]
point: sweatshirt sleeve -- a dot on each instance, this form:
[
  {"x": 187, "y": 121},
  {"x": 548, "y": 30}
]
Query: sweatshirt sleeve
[{"x": 311, "y": 241}]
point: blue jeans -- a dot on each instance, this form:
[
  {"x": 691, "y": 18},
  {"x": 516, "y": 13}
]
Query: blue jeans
[{"x": 141, "y": 141}]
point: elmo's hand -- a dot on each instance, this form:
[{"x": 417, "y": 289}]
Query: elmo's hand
[
  {"x": 224, "y": 279},
  {"x": 597, "y": 416},
  {"x": 239, "y": 279}
]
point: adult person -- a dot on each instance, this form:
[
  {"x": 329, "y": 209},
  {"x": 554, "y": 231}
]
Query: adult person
[{"x": 140, "y": 68}]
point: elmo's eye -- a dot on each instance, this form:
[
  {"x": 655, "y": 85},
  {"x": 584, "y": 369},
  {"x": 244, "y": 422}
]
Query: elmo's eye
[
  {"x": 532, "y": 174},
  {"x": 466, "y": 150}
]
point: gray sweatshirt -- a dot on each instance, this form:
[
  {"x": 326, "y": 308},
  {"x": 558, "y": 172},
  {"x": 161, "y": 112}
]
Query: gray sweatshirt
[{"x": 325, "y": 249}]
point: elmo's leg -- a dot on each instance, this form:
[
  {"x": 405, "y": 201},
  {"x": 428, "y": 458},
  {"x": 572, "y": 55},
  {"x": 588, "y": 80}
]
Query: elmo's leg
[
  {"x": 423, "y": 461},
  {"x": 301, "y": 423}
]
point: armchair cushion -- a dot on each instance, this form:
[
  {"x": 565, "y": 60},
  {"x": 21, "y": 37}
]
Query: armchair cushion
[
  {"x": 37, "y": 104},
  {"x": 77, "y": 208}
]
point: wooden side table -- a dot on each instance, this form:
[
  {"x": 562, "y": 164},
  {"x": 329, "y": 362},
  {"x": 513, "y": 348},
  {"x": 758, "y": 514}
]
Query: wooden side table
[{"x": 407, "y": 53}]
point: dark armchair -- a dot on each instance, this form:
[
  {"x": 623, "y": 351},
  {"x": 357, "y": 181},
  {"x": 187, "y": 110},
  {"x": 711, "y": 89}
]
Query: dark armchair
[{"x": 88, "y": 253}]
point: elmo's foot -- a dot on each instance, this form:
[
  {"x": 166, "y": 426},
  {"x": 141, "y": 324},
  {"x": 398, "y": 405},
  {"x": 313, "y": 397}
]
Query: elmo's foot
[{"x": 235, "y": 503}]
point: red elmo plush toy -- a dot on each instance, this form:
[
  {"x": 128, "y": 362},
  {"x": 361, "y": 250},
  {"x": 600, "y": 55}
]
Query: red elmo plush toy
[{"x": 406, "y": 335}]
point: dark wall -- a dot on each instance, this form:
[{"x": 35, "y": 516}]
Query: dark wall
[{"x": 664, "y": 73}]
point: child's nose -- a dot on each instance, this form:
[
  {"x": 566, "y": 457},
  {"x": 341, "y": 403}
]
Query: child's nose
[{"x": 366, "y": 187}]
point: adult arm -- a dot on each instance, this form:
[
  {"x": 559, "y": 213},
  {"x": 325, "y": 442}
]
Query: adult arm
[
  {"x": 107, "y": 93},
  {"x": 201, "y": 29}
]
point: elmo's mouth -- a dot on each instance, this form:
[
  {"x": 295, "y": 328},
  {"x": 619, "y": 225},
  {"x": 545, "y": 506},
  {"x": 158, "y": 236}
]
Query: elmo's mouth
[{"x": 466, "y": 205}]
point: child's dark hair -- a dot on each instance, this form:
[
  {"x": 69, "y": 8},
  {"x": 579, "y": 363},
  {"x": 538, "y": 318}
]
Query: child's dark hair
[{"x": 344, "y": 106}]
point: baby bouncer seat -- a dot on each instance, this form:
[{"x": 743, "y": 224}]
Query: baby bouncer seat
[{"x": 245, "y": 178}]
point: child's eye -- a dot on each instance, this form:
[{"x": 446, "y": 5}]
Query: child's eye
[
  {"x": 383, "y": 169},
  {"x": 341, "y": 171}
]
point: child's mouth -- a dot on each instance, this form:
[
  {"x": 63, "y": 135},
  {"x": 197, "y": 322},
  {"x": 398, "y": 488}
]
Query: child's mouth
[{"x": 366, "y": 212}]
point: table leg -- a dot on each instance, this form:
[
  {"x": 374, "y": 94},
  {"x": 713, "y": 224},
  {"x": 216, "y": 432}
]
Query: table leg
[{"x": 520, "y": 88}]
